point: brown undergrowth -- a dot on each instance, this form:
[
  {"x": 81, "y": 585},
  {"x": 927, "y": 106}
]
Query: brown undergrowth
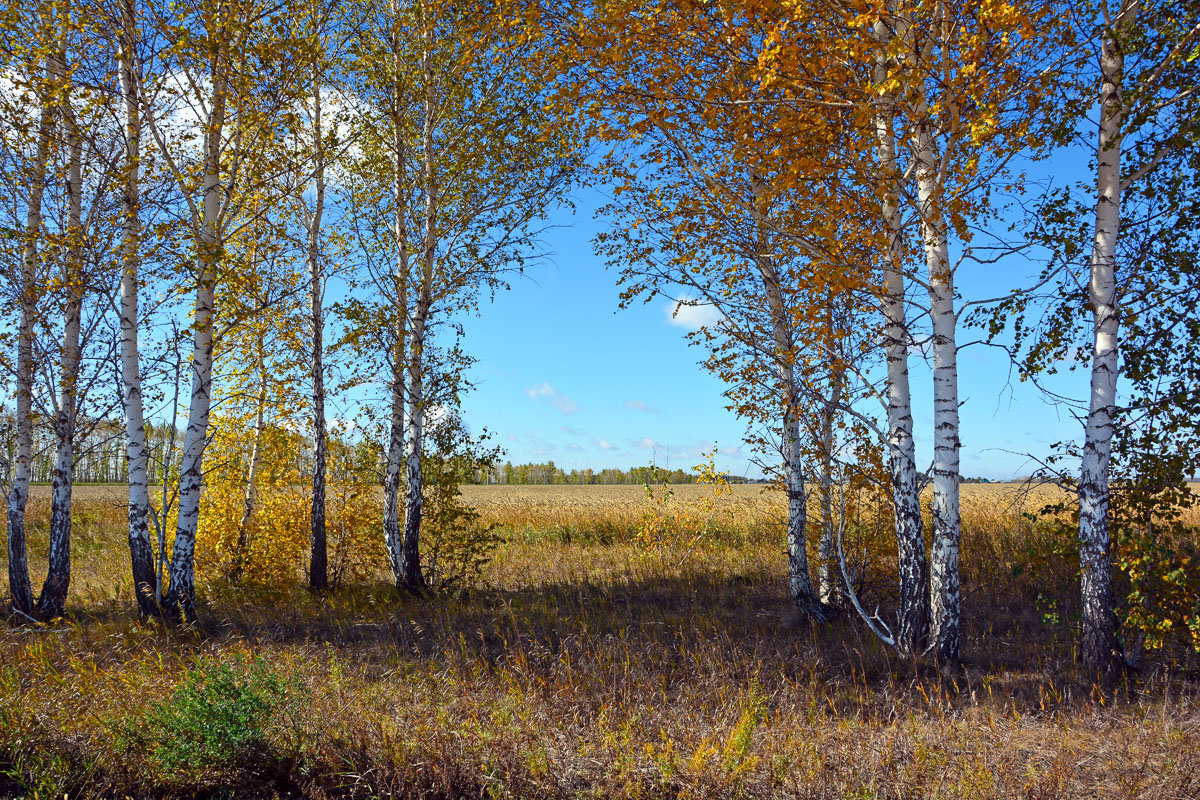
[{"x": 581, "y": 668}]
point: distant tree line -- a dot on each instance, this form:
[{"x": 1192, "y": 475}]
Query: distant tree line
[
  {"x": 101, "y": 459},
  {"x": 551, "y": 474}
]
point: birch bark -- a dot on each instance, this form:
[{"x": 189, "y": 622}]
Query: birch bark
[
  {"x": 20, "y": 588},
  {"x": 799, "y": 579},
  {"x": 1098, "y": 619},
  {"x": 52, "y": 601},
  {"x": 827, "y": 582},
  {"x": 181, "y": 600},
  {"x": 913, "y": 612},
  {"x": 414, "y": 500},
  {"x": 393, "y": 535},
  {"x": 145, "y": 584},
  {"x": 946, "y": 603},
  {"x": 318, "y": 576}
]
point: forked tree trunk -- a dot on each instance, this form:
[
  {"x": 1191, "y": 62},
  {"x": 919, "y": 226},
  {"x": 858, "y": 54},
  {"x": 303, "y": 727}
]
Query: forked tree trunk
[
  {"x": 52, "y": 601},
  {"x": 912, "y": 624},
  {"x": 145, "y": 584},
  {"x": 181, "y": 600},
  {"x": 20, "y": 588},
  {"x": 318, "y": 573},
  {"x": 1098, "y": 643}
]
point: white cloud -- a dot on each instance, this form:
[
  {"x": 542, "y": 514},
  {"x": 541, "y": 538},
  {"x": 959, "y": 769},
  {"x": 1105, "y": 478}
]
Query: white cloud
[
  {"x": 646, "y": 443},
  {"x": 692, "y": 314},
  {"x": 638, "y": 405},
  {"x": 554, "y": 397},
  {"x": 603, "y": 445},
  {"x": 436, "y": 414}
]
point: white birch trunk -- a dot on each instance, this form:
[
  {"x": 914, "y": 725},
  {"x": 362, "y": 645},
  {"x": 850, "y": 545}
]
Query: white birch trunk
[
  {"x": 393, "y": 535},
  {"x": 913, "y": 612},
  {"x": 167, "y": 461},
  {"x": 20, "y": 588},
  {"x": 799, "y": 579},
  {"x": 1098, "y": 620},
  {"x": 181, "y": 600},
  {"x": 52, "y": 601},
  {"x": 318, "y": 575},
  {"x": 946, "y": 604},
  {"x": 145, "y": 585},
  {"x": 250, "y": 503},
  {"x": 414, "y": 499},
  {"x": 827, "y": 581}
]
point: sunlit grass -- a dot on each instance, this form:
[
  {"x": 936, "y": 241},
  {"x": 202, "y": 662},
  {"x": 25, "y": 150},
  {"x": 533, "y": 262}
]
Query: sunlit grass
[{"x": 583, "y": 667}]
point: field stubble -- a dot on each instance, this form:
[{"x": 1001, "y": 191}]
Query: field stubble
[{"x": 583, "y": 668}]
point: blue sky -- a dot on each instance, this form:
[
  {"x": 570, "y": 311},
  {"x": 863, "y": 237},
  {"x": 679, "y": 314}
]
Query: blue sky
[{"x": 563, "y": 374}]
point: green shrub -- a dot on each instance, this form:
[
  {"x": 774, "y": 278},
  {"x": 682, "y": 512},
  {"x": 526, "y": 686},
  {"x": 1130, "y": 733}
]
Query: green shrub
[{"x": 222, "y": 716}]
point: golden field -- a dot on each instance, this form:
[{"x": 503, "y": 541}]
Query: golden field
[
  {"x": 582, "y": 667},
  {"x": 752, "y": 505}
]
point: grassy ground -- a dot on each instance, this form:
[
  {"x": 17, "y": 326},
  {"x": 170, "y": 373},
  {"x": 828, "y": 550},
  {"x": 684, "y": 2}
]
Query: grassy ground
[{"x": 581, "y": 667}]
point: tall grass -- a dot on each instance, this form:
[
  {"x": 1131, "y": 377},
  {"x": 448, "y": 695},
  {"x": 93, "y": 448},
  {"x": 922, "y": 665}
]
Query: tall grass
[{"x": 583, "y": 667}]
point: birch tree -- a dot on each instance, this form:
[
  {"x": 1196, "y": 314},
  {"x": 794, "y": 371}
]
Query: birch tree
[
  {"x": 1154, "y": 102},
  {"x": 145, "y": 581},
  {"x": 723, "y": 176},
  {"x": 383, "y": 78},
  {"x": 318, "y": 31},
  {"x": 960, "y": 89},
  {"x": 57, "y": 329},
  {"x": 1135, "y": 268},
  {"x": 222, "y": 75},
  {"x": 323, "y": 32},
  {"x": 912, "y": 619},
  {"x": 474, "y": 163},
  {"x": 43, "y": 52},
  {"x": 52, "y": 600}
]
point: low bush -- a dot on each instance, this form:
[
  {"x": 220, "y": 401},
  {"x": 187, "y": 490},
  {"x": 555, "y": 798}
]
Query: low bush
[{"x": 225, "y": 716}]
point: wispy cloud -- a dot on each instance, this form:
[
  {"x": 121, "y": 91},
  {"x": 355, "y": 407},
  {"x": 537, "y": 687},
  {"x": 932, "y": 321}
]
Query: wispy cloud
[
  {"x": 544, "y": 391},
  {"x": 692, "y": 314},
  {"x": 537, "y": 445},
  {"x": 638, "y": 405},
  {"x": 603, "y": 445},
  {"x": 646, "y": 443}
]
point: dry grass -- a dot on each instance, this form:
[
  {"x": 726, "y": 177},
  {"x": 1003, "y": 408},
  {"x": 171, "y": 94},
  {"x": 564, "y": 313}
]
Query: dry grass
[
  {"x": 541, "y": 507},
  {"x": 585, "y": 669}
]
